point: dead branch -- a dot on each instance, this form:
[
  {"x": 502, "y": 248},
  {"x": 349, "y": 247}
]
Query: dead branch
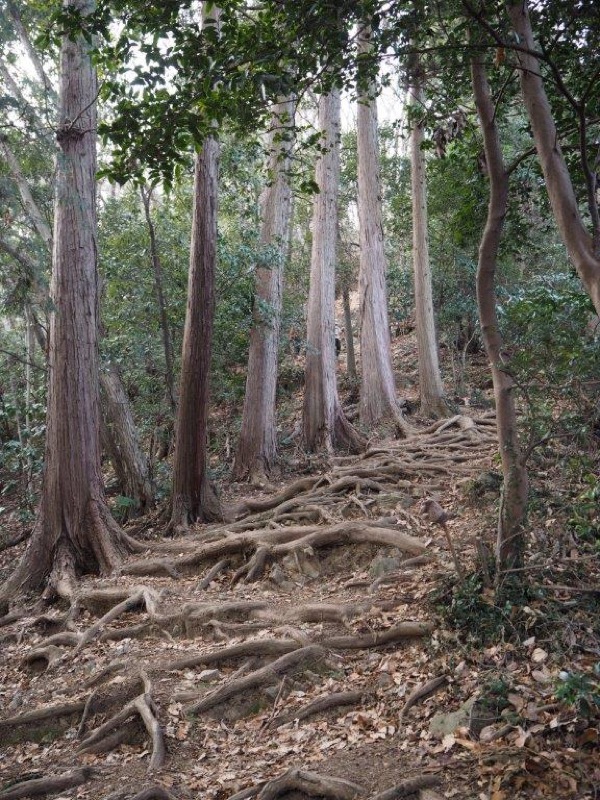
[
  {"x": 423, "y": 691},
  {"x": 48, "y": 785},
  {"x": 289, "y": 663},
  {"x": 318, "y": 706}
]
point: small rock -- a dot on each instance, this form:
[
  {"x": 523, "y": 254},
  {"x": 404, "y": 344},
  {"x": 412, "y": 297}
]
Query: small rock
[
  {"x": 383, "y": 565},
  {"x": 385, "y": 681},
  {"x": 442, "y": 724},
  {"x": 208, "y": 675},
  {"x": 16, "y": 701}
]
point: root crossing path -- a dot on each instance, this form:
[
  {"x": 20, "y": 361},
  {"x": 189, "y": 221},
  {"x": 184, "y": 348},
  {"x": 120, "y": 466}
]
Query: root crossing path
[{"x": 287, "y": 653}]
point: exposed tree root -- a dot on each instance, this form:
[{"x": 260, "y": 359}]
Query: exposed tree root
[
  {"x": 299, "y": 487},
  {"x": 143, "y": 705},
  {"x": 310, "y": 783},
  {"x": 38, "y": 715},
  {"x": 421, "y": 692},
  {"x": 405, "y": 630},
  {"x": 212, "y": 573},
  {"x": 151, "y": 793},
  {"x": 252, "y": 647},
  {"x": 23, "y": 726},
  {"x": 14, "y": 541},
  {"x": 48, "y": 785},
  {"x": 408, "y": 787},
  {"x": 286, "y": 664},
  {"x": 272, "y": 647},
  {"x": 269, "y": 544},
  {"x": 318, "y": 706}
]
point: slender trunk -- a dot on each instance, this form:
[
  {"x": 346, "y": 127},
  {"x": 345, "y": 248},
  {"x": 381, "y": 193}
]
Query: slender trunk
[
  {"x": 350, "y": 355},
  {"x": 146, "y": 195},
  {"x": 30, "y": 345},
  {"x": 510, "y": 538},
  {"x": 32, "y": 54},
  {"x": 31, "y": 207},
  {"x": 133, "y": 469},
  {"x": 433, "y": 403},
  {"x": 583, "y": 249},
  {"x": 377, "y": 391},
  {"x": 193, "y": 498},
  {"x": 257, "y": 447},
  {"x": 324, "y": 422},
  {"x": 74, "y": 530}
]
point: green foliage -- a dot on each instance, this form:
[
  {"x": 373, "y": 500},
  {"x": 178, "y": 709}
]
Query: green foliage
[
  {"x": 580, "y": 690},
  {"x": 555, "y": 359},
  {"x": 585, "y": 519},
  {"x": 479, "y": 620}
]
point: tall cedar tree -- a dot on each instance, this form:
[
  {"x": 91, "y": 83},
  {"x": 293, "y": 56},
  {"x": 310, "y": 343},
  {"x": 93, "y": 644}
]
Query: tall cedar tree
[
  {"x": 74, "y": 531},
  {"x": 377, "y": 389},
  {"x": 433, "y": 403},
  {"x": 324, "y": 422},
  {"x": 257, "y": 447}
]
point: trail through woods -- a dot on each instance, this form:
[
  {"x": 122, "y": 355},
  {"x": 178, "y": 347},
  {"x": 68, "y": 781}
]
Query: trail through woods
[{"x": 296, "y": 651}]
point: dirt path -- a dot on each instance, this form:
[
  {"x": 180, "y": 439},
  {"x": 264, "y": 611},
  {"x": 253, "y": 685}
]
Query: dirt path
[{"x": 292, "y": 652}]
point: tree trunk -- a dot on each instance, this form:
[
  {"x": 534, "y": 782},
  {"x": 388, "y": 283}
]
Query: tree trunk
[
  {"x": 31, "y": 207},
  {"x": 132, "y": 466},
  {"x": 146, "y": 195},
  {"x": 350, "y": 355},
  {"x": 433, "y": 403},
  {"x": 510, "y": 537},
  {"x": 193, "y": 498},
  {"x": 377, "y": 390},
  {"x": 257, "y": 447},
  {"x": 324, "y": 423},
  {"x": 583, "y": 249},
  {"x": 74, "y": 530}
]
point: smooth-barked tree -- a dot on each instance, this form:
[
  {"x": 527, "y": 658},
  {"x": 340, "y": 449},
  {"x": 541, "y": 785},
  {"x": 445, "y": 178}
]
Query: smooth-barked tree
[{"x": 257, "y": 446}]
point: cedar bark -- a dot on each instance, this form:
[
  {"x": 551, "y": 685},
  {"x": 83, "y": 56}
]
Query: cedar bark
[
  {"x": 433, "y": 403},
  {"x": 377, "y": 390},
  {"x": 257, "y": 447},
  {"x": 324, "y": 422},
  {"x": 510, "y": 536},
  {"x": 146, "y": 195},
  {"x": 131, "y": 464},
  {"x": 583, "y": 249},
  {"x": 193, "y": 498},
  {"x": 350, "y": 355},
  {"x": 74, "y": 530}
]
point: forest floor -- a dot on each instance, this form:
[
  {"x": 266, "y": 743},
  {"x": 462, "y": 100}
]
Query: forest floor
[{"x": 323, "y": 644}]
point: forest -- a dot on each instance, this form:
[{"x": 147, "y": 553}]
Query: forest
[{"x": 299, "y": 399}]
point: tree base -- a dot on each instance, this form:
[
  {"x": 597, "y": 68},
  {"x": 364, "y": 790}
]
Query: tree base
[{"x": 57, "y": 553}]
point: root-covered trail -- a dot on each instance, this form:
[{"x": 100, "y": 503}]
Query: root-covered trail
[{"x": 292, "y": 652}]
